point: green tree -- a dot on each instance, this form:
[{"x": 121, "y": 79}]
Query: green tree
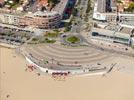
[
  {"x": 54, "y": 2},
  {"x": 131, "y": 7}
]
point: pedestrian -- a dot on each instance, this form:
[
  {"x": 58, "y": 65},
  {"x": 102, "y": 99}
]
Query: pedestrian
[
  {"x": 7, "y": 95},
  {"x": 38, "y": 74}
]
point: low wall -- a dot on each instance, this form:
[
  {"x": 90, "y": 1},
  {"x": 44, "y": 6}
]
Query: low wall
[
  {"x": 76, "y": 72},
  {"x": 50, "y": 71}
]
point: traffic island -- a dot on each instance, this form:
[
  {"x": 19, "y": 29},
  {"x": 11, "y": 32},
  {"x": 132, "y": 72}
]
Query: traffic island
[{"x": 73, "y": 39}]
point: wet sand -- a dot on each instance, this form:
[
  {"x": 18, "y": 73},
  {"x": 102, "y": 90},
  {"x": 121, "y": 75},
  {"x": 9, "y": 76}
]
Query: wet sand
[{"x": 17, "y": 84}]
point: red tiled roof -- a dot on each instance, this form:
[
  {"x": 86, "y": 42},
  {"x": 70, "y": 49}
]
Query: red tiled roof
[
  {"x": 2, "y": 1},
  {"x": 42, "y": 2}
]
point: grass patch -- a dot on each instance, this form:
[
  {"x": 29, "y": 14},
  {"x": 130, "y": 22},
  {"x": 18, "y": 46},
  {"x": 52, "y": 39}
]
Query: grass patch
[
  {"x": 34, "y": 40},
  {"x": 50, "y": 41},
  {"x": 132, "y": 46},
  {"x": 73, "y": 39},
  {"x": 6, "y": 34},
  {"x": 53, "y": 34},
  {"x": 47, "y": 40}
]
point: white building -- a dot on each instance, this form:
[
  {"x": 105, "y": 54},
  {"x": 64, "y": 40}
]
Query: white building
[
  {"x": 111, "y": 36},
  {"x": 124, "y": 19},
  {"x": 9, "y": 19}
]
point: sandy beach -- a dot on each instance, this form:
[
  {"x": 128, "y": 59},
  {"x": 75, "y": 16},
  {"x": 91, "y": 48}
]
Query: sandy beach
[{"x": 17, "y": 84}]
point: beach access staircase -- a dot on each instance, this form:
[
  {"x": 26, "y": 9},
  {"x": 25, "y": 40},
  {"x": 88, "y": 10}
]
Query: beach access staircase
[{"x": 50, "y": 68}]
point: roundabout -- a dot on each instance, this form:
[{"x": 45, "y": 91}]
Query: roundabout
[{"x": 72, "y": 39}]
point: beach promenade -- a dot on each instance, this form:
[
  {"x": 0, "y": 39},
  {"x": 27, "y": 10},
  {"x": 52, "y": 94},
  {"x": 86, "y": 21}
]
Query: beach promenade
[{"x": 66, "y": 59}]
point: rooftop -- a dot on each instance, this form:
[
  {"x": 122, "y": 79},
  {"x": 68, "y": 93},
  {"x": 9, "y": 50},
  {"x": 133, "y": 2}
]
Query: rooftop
[
  {"x": 126, "y": 30},
  {"x": 113, "y": 3},
  {"x": 45, "y": 13}
]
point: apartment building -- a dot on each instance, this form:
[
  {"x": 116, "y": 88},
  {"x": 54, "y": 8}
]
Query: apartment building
[
  {"x": 2, "y": 2},
  {"x": 112, "y": 36},
  {"x": 9, "y": 19},
  {"x": 102, "y": 6},
  {"x": 64, "y": 8},
  {"x": 39, "y": 19},
  {"x": 113, "y": 16}
]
